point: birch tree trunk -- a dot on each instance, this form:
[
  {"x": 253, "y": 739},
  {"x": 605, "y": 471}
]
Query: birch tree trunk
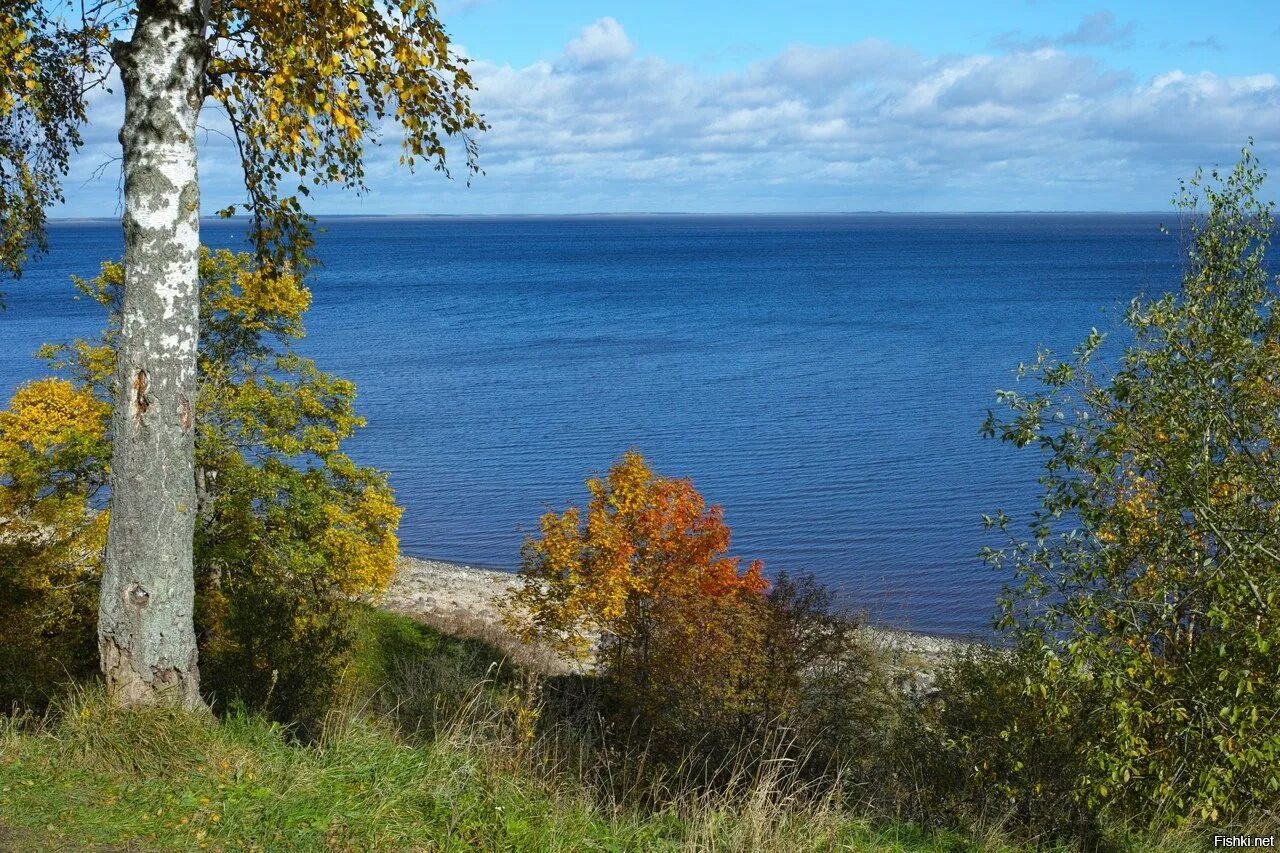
[{"x": 146, "y": 634}]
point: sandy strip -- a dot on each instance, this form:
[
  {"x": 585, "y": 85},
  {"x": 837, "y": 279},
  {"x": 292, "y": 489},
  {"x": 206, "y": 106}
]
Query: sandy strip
[
  {"x": 466, "y": 601},
  {"x": 432, "y": 587}
]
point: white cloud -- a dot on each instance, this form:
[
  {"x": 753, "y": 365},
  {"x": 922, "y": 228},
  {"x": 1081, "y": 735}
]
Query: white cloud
[
  {"x": 1210, "y": 42},
  {"x": 599, "y": 44},
  {"x": 868, "y": 125}
]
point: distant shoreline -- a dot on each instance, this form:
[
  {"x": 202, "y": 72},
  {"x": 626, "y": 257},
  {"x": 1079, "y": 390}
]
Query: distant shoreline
[{"x": 672, "y": 214}]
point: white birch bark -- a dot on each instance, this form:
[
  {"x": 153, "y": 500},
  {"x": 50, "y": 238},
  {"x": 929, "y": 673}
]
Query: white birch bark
[{"x": 146, "y": 634}]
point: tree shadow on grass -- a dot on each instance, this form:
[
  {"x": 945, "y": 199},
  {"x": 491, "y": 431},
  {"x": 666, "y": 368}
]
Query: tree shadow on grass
[{"x": 422, "y": 678}]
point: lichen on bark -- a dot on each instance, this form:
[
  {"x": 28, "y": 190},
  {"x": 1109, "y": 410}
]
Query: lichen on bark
[{"x": 146, "y": 632}]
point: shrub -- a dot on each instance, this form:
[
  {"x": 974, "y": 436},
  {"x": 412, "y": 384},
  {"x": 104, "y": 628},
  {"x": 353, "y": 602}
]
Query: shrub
[
  {"x": 645, "y": 568},
  {"x": 702, "y": 663},
  {"x": 1151, "y": 578},
  {"x": 819, "y": 681},
  {"x": 289, "y": 529},
  {"x": 986, "y": 754}
]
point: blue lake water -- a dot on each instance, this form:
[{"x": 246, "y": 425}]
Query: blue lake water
[{"x": 824, "y": 378}]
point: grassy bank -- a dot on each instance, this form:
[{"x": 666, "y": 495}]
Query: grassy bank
[{"x": 386, "y": 774}]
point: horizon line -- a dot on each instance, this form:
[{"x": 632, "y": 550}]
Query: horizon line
[{"x": 671, "y": 213}]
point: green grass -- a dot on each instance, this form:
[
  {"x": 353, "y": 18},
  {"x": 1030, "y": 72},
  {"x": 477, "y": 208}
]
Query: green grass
[
  {"x": 91, "y": 777},
  {"x": 172, "y": 780},
  {"x": 386, "y": 641}
]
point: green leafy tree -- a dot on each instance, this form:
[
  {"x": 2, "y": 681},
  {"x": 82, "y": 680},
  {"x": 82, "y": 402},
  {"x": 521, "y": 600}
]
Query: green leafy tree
[
  {"x": 289, "y": 529},
  {"x": 305, "y": 87},
  {"x": 1151, "y": 579}
]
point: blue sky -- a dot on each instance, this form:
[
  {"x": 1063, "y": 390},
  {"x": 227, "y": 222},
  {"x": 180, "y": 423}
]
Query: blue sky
[
  {"x": 723, "y": 35},
  {"x": 818, "y": 105}
]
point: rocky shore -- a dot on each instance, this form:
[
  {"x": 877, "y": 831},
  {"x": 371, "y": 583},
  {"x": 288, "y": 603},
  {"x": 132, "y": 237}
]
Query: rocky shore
[
  {"x": 447, "y": 590},
  {"x": 464, "y": 600}
]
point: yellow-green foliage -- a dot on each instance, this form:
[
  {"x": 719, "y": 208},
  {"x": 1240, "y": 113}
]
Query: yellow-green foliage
[
  {"x": 986, "y": 750},
  {"x": 304, "y": 87},
  {"x": 1152, "y": 575},
  {"x": 307, "y": 89},
  {"x": 289, "y": 528},
  {"x": 52, "y": 450},
  {"x": 42, "y": 84}
]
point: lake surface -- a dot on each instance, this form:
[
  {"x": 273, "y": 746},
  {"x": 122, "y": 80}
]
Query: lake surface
[{"x": 824, "y": 378}]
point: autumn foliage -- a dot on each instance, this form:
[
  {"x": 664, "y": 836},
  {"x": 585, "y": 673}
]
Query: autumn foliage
[
  {"x": 289, "y": 529},
  {"x": 645, "y": 569},
  {"x": 305, "y": 89},
  {"x": 52, "y": 450},
  {"x": 644, "y": 541},
  {"x": 305, "y": 93}
]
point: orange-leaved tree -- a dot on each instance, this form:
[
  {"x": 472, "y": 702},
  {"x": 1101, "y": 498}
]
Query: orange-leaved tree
[{"x": 645, "y": 569}]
